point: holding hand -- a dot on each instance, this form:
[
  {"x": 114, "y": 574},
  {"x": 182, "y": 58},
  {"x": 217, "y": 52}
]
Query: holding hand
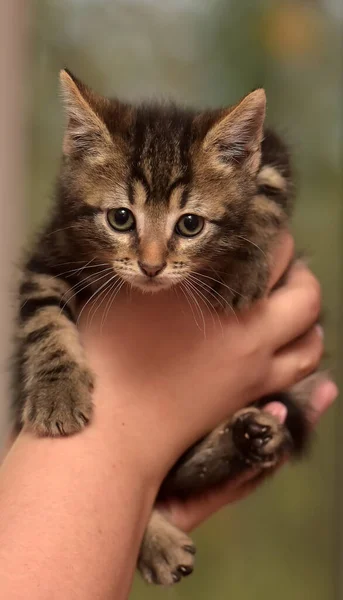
[{"x": 173, "y": 383}]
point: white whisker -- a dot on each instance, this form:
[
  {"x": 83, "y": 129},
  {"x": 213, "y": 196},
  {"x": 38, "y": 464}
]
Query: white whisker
[
  {"x": 81, "y": 269},
  {"x": 252, "y": 243},
  {"x": 105, "y": 312},
  {"x": 71, "y": 262},
  {"x": 63, "y": 229},
  {"x": 82, "y": 288},
  {"x": 202, "y": 297},
  {"x": 115, "y": 292},
  {"x": 198, "y": 306},
  {"x": 82, "y": 281},
  {"x": 92, "y": 296},
  {"x": 199, "y": 284},
  {"x": 96, "y": 305},
  {"x": 185, "y": 293},
  {"x": 217, "y": 281},
  {"x": 209, "y": 290},
  {"x": 215, "y": 293}
]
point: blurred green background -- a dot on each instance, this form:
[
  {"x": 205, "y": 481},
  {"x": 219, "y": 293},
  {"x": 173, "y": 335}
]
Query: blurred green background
[{"x": 282, "y": 542}]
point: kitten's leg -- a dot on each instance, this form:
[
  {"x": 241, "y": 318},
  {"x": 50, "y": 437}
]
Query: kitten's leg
[
  {"x": 52, "y": 382},
  {"x": 297, "y": 420},
  {"x": 251, "y": 438},
  {"x": 166, "y": 554}
]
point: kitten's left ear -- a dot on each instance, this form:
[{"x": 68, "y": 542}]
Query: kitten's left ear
[
  {"x": 86, "y": 132},
  {"x": 236, "y": 138}
]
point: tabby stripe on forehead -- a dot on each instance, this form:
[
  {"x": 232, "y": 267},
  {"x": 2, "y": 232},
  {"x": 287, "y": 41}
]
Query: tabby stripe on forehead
[
  {"x": 184, "y": 198},
  {"x": 33, "y": 305},
  {"x": 138, "y": 175},
  {"x": 185, "y": 161},
  {"x": 130, "y": 193},
  {"x": 181, "y": 182},
  {"x": 136, "y": 172}
]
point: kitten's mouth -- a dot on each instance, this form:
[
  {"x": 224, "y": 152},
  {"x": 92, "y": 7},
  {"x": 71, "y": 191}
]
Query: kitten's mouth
[{"x": 151, "y": 284}]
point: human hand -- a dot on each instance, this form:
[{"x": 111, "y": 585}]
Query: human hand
[
  {"x": 189, "y": 513},
  {"x": 169, "y": 384}
]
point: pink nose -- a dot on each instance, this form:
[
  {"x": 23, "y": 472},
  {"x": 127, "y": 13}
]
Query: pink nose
[{"x": 151, "y": 270}]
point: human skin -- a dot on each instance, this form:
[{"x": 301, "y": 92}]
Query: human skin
[
  {"x": 73, "y": 510},
  {"x": 189, "y": 513}
]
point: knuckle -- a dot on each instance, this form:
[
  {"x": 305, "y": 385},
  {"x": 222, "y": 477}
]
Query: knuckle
[
  {"x": 314, "y": 299},
  {"x": 291, "y": 244},
  {"x": 252, "y": 349},
  {"x": 249, "y": 345},
  {"x": 311, "y": 359}
]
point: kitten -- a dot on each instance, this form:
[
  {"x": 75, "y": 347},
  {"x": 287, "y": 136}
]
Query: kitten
[{"x": 151, "y": 194}]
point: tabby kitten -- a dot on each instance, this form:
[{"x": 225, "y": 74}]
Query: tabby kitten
[{"x": 150, "y": 194}]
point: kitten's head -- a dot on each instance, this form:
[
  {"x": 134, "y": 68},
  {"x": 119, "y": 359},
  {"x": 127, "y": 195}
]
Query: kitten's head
[{"x": 156, "y": 191}]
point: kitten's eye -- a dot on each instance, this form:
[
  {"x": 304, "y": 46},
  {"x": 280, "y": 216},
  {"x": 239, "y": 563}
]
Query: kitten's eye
[
  {"x": 121, "y": 219},
  {"x": 189, "y": 225}
]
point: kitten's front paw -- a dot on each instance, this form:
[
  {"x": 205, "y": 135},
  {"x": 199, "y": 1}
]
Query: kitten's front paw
[
  {"x": 167, "y": 555},
  {"x": 258, "y": 437},
  {"x": 60, "y": 409}
]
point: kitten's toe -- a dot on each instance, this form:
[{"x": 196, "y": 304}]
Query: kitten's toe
[
  {"x": 166, "y": 556},
  {"x": 60, "y": 416},
  {"x": 258, "y": 437}
]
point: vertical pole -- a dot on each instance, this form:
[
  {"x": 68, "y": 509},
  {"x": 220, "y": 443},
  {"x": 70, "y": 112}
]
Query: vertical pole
[
  {"x": 338, "y": 513},
  {"x": 13, "y": 27}
]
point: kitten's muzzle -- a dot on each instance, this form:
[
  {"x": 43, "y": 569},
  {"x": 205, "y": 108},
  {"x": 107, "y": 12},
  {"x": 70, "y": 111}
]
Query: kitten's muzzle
[{"x": 151, "y": 270}]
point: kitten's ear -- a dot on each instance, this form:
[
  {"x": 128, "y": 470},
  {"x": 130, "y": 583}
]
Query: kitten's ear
[
  {"x": 86, "y": 132},
  {"x": 236, "y": 138}
]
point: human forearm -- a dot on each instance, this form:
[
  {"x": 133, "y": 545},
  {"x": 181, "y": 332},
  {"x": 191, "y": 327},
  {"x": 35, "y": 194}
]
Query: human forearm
[
  {"x": 73, "y": 510},
  {"x": 95, "y": 508}
]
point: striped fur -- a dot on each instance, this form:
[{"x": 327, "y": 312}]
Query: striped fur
[{"x": 161, "y": 163}]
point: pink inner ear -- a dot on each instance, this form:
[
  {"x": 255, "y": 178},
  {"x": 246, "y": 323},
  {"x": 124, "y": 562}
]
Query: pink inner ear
[
  {"x": 240, "y": 132},
  {"x": 85, "y": 129}
]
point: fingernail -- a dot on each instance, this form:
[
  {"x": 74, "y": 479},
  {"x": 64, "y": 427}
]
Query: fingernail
[
  {"x": 278, "y": 410},
  {"x": 320, "y": 331}
]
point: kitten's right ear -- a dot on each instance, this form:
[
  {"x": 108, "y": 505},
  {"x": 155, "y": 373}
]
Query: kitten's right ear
[
  {"x": 235, "y": 138},
  {"x": 86, "y": 132}
]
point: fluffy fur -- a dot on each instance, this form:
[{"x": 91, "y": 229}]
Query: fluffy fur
[{"x": 154, "y": 196}]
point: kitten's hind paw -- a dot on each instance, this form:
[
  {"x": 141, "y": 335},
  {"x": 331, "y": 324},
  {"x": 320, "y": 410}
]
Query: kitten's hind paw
[
  {"x": 259, "y": 438},
  {"x": 167, "y": 554}
]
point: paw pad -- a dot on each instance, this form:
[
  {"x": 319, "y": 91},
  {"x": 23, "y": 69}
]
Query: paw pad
[{"x": 258, "y": 437}]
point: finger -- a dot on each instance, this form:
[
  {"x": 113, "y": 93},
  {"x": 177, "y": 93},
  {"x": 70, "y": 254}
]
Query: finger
[
  {"x": 297, "y": 360},
  {"x": 278, "y": 410},
  {"x": 322, "y": 398},
  {"x": 281, "y": 258},
  {"x": 294, "y": 308},
  {"x": 190, "y": 513}
]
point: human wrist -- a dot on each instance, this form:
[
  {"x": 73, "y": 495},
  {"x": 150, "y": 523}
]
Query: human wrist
[
  {"x": 135, "y": 397},
  {"x": 95, "y": 493},
  {"x": 128, "y": 419}
]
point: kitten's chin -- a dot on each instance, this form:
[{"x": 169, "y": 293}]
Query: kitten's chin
[{"x": 151, "y": 285}]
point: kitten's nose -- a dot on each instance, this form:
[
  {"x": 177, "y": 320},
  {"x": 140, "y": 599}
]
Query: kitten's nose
[{"x": 151, "y": 270}]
